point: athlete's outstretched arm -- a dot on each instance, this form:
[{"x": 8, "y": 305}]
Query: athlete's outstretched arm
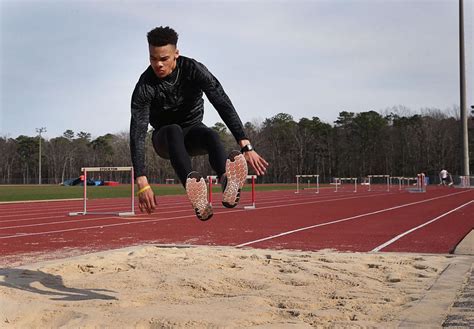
[
  {"x": 138, "y": 132},
  {"x": 222, "y": 103},
  {"x": 255, "y": 161}
]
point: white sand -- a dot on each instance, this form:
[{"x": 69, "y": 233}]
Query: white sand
[{"x": 215, "y": 287}]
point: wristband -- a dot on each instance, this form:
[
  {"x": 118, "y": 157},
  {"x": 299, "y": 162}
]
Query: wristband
[
  {"x": 246, "y": 148},
  {"x": 143, "y": 189}
]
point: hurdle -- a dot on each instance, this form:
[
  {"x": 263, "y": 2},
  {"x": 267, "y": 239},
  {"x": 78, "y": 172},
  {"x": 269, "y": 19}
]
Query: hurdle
[
  {"x": 465, "y": 182},
  {"x": 210, "y": 179},
  {"x": 338, "y": 181},
  {"x": 400, "y": 181},
  {"x": 407, "y": 181},
  {"x": 252, "y": 177},
  {"x": 85, "y": 170},
  {"x": 387, "y": 177},
  {"x": 420, "y": 184},
  {"x": 309, "y": 185}
]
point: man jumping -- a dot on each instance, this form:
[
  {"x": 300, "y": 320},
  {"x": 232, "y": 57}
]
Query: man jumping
[{"x": 169, "y": 97}]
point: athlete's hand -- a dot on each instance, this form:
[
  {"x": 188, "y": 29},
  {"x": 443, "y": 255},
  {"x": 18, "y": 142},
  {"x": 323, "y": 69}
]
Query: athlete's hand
[
  {"x": 146, "y": 198},
  {"x": 147, "y": 201},
  {"x": 255, "y": 161}
]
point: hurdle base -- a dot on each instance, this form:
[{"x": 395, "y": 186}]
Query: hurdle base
[
  {"x": 250, "y": 207},
  {"x": 415, "y": 190},
  {"x": 129, "y": 213}
]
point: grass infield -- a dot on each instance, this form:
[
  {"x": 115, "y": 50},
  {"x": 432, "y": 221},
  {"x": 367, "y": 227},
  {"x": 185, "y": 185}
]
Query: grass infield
[{"x": 52, "y": 192}]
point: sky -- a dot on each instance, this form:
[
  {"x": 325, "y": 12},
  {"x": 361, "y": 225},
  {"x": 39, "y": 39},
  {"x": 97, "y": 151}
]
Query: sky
[{"x": 74, "y": 64}]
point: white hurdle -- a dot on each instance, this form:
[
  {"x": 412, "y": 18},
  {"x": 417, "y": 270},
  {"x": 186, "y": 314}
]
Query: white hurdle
[
  {"x": 309, "y": 185},
  {"x": 408, "y": 182},
  {"x": 465, "y": 182},
  {"x": 387, "y": 177},
  {"x": 400, "y": 181},
  {"x": 339, "y": 180},
  {"x": 85, "y": 170},
  {"x": 420, "y": 184}
]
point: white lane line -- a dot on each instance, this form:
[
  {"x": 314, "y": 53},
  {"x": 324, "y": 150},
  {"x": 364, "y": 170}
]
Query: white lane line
[
  {"x": 59, "y": 222},
  {"x": 160, "y": 211},
  {"x": 342, "y": 220},
  {"x": 107, "y": 204},
  {"x": 18, "y": 235},
  {"x": 193, "y": 216},
  {"x": 94, "y": 206},
  {"x": 164, "y": 202},
  {"x": 38, "y": 201},
  {"x": 389, "y": 242}
]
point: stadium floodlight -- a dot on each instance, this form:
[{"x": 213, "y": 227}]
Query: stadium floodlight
[{"x": 40, "y": 131}]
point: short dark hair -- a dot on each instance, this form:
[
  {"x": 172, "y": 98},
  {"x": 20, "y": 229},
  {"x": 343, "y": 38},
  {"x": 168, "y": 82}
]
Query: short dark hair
[{"x": 162, "y": 36}]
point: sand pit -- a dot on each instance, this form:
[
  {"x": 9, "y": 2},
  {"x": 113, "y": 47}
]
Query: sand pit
[{"x": 214, "y": 287}]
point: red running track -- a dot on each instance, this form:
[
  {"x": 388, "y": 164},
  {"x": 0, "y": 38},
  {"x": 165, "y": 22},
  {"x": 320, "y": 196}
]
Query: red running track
[{"x": 431, "y": 222}]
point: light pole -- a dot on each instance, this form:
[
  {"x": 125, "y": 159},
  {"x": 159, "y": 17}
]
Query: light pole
[
  {"x": 39, "y": 131},
  {"x": 462, "y": 78}
]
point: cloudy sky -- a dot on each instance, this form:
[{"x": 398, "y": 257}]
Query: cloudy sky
[{"x": 73, "y": 64}]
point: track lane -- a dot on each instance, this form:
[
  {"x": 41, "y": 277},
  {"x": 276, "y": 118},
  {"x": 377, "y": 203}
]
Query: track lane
[
  {"x": 116, "y": 234},
  {"x": 440, "y": 236},
  {"x": 228, "y": 227},
  {"x": 367, "y": 232}
]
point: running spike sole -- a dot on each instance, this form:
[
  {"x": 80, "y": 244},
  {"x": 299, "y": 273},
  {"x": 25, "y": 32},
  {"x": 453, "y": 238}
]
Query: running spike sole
[
  {"x": 196, "y": 189},
  {"x": 236, "y": 171}
]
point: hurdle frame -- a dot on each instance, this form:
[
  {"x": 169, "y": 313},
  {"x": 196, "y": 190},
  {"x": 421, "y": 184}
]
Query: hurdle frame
[
  {"x": 379, "y": 176},
  {"x": 400, "y": 181},
  {"x": 253, "y": 206},
  {"x": 408, "y": 179},
  {"x": 420, "y": 184},
  {"x": 252, "y": 177},
  {"x": 465, "y": 182},
  {"x": 85, "y": 170},
  {"x": 306, "y": 176},
  {"x": 338, "y": 180}
]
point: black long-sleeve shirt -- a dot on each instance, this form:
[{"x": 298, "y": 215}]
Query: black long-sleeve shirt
[{"x": 176, "y": 99}]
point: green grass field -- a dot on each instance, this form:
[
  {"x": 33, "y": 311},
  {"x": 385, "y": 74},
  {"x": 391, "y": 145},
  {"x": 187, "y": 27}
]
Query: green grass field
[{"x": 51, "y": 192}]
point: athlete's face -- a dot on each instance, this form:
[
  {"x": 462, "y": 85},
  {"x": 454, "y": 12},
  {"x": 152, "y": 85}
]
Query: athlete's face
[{"x": 163, "y": 59}]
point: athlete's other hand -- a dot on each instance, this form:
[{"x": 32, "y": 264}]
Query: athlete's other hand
[
  {"x": 146, "y": 199},
  {"x": 255, "y": 161}
]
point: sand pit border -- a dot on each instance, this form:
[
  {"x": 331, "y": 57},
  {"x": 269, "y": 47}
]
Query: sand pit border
[{"x": 433, "y": 308}]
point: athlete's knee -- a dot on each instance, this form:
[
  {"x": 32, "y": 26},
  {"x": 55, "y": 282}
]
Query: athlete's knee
[
  {"x": 212, "y": 137},
  {"x": 173, "y": 131},
  {"x": 166, "y": 137}
]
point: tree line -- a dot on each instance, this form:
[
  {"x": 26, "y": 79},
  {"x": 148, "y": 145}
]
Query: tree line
[{"x": 397, "y": 143}]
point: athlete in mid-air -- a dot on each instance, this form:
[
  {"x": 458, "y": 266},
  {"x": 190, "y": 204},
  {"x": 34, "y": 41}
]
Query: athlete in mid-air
[{"x": 169, "y": 97}]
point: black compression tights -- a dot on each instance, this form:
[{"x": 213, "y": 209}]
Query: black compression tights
[{"x": 179, "y": 144}]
